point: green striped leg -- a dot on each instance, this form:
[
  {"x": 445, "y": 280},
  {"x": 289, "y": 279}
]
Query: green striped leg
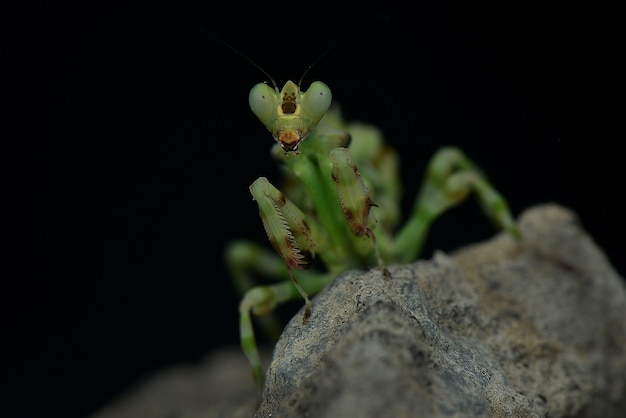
[
  {"x": 247, "y": 261},
  {"x": 261, "y": 300},
  {"x": 450, "y": 178}
]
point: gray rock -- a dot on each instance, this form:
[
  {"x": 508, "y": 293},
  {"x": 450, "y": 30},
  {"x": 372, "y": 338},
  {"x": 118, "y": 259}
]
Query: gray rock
[
  {"x": 219, "y": 387},
  {"x": 499, "y": 329}
]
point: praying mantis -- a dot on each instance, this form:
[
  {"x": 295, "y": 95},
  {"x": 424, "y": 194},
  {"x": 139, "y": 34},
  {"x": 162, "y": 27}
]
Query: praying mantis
[{"x": 340, "y": 205}]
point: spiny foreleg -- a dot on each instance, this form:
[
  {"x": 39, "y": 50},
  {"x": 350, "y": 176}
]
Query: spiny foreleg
[
  {"x": 288, "y": 231},
  {"x": 354, "y": 199}
]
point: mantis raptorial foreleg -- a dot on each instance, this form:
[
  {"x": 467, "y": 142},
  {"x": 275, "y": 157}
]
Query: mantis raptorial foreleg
[
  {"x": 295, "y": 237},
  {"x": 354, "y": 199}
]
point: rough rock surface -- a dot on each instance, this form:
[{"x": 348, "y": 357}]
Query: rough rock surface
[{"x": 497, "y": 329}]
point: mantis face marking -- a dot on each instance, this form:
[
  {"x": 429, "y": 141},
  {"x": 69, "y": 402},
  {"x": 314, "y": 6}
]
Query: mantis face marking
[{"x": 290, "y": 114}]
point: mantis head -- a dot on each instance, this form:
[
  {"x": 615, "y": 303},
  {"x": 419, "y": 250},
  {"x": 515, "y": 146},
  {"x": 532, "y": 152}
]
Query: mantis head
[{"x": 290, "y": 114}]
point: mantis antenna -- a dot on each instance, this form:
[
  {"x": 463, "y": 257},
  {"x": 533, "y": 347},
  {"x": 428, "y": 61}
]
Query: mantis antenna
[
  {"x": 251, "y": 61},
  {"x": 232, "y": 48},
  {"x": 336, "y": 42}
]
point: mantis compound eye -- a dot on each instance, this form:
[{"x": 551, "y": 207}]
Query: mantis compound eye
[
  {"x": 263, "y": 102},
  {"x": 316, "y": 101}
]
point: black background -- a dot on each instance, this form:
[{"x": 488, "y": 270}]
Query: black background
[{"x": 130, "y": 148}]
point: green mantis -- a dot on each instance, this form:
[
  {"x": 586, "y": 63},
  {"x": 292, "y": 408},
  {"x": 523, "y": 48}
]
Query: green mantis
[{"x": 340, "y": 205}]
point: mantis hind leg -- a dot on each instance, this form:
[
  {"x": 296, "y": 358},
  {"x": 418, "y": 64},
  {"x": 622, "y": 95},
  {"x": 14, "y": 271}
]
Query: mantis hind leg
[
  {"x": 247, "y": 260},
  {"x": 450, "y": 177},
  {"x": 263, "y": 299}
]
